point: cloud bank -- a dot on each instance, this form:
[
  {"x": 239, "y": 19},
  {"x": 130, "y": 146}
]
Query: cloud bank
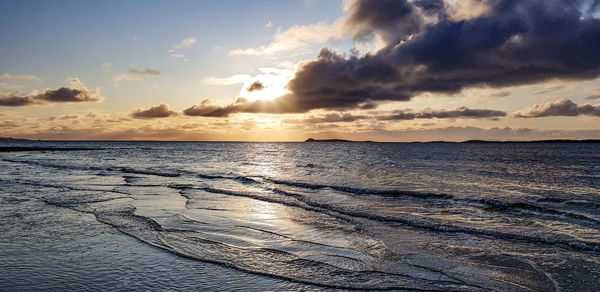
[
  {"x": 563, "y": 107},
  {"x": 460, "y": 112},
  {"x": 160, "y": 111},
  {"x": 430, "y": 47},
  {"x": 76, "y": 92}
]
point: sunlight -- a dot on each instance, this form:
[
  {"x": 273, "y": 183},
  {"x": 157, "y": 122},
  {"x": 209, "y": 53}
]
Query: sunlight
[{"x": 269, "y": 85}]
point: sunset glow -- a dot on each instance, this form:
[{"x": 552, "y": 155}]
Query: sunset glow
[{"x": 299, "y": 69}]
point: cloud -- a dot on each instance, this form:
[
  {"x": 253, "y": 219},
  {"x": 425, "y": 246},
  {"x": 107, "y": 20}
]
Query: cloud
[
  {"x": 127, "y": 77},
  {"x": 549, "y": 89},
  {"x": 143, "y": 72},
  {"x": 199, "y": 132},
  {"x": 69, "y": 117},
  {"x": 13, "y": 77},
  {"x": 159, "y": 111},
  {"x": 593, "y": 97},
  {"x": 498, "y": 94},
  {"x": 268, "y": 25},
  {"x": 176, "y": 55},
  {"x": 329, "y": 118},
  {"x": 594, "y": 93},
  {"x": 427, "y": 49},
  {"x": 188, "y": 42},
  {"x": 563, "y": 107},
  {"x": 185, "y": 43},
  {"x": 135, "y": 74},
  {"x": 256, "y": 86},
  {"x": 8, "y": 124},
  {"x": 459, "y": 112},
  {"x": 296, "y": 37},
  {"x": 61, "y": 95},
  {"x": 238, "y": 78},
  {"x": 468, "y": 9},
  {"x": 393, "y": 21},
  {"x": 241, "y": 105},
  {"x": 207, "y": 108},
  {"x": 75, "y": 82}
]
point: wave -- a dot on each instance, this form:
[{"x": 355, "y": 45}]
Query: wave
[
  {"x": 103, "y": 170},
  {"x": 411, "y": 221},
  {"x": 487, "y": 204},
  {"x": 301, "y": 201},
  {"x": 264, "y": 261}
]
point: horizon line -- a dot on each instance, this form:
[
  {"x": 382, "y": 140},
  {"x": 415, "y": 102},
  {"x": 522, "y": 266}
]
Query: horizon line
[{"x": 332, "y": 140}]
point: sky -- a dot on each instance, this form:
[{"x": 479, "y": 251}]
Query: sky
[{"x": 382, "y": 70}]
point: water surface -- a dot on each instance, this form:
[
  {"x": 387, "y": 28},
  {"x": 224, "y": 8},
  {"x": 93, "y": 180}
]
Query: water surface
[{"x": 300, "y": 216}]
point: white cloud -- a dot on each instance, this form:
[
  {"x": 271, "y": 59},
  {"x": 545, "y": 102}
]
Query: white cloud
[
  {"x": 75, "y": 82},
  {"x": 185, "y": 43},
  {"x": 177, "y": 55},
  {"x": 297, "y": 37},
  {"x": 235, "y": 79},
  {"x": 269, "y": 24},
  {"x": 188, "y": 42},
  {"x": 127, "y": 77},
  {"x": 16, "y": 77}
]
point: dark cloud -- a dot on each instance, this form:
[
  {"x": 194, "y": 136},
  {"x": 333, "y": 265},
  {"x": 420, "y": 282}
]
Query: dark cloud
[
  {"x": 242, "y": 105},
  {"x": 61, "y": 95},
  {"x": 143, "y": 72},
  {"x": 329, "y": 118},
  {"x": 549, "y": 89},
  {"x": 256, "y": 86},
  {"x": 517, "y": 42},
  {"x": 563, "y": 107},
  {"x": 9, "y": 124},
  {"x": 513, "y": 43},
  {"x": 392, "y": 19},
  {"x": 593, "y": 97},
  {"x": 460, "y": 112},
  {"x": 160, "y": 111},
  {"x": 15, "y": 100},
  {"x": 336, "y": 118}
]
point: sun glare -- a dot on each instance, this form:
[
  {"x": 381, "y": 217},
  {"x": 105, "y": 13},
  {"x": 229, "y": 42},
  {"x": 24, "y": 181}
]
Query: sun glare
[{"x": 268, "y": 85}]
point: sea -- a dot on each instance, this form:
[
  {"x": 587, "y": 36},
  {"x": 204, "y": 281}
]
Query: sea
[{"x": 320, "y": 216}]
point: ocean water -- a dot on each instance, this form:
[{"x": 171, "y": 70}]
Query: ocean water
[{"x": 300, "y": 216}]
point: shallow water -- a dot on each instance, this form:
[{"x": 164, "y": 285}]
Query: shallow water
[{"x": 300, "y": 216}]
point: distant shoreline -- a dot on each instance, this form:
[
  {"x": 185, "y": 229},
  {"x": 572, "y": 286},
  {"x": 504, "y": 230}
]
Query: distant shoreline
[{"x": 311, "y": 140}]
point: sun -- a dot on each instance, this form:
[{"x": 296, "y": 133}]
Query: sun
[{"x": 269, "y": 85}]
